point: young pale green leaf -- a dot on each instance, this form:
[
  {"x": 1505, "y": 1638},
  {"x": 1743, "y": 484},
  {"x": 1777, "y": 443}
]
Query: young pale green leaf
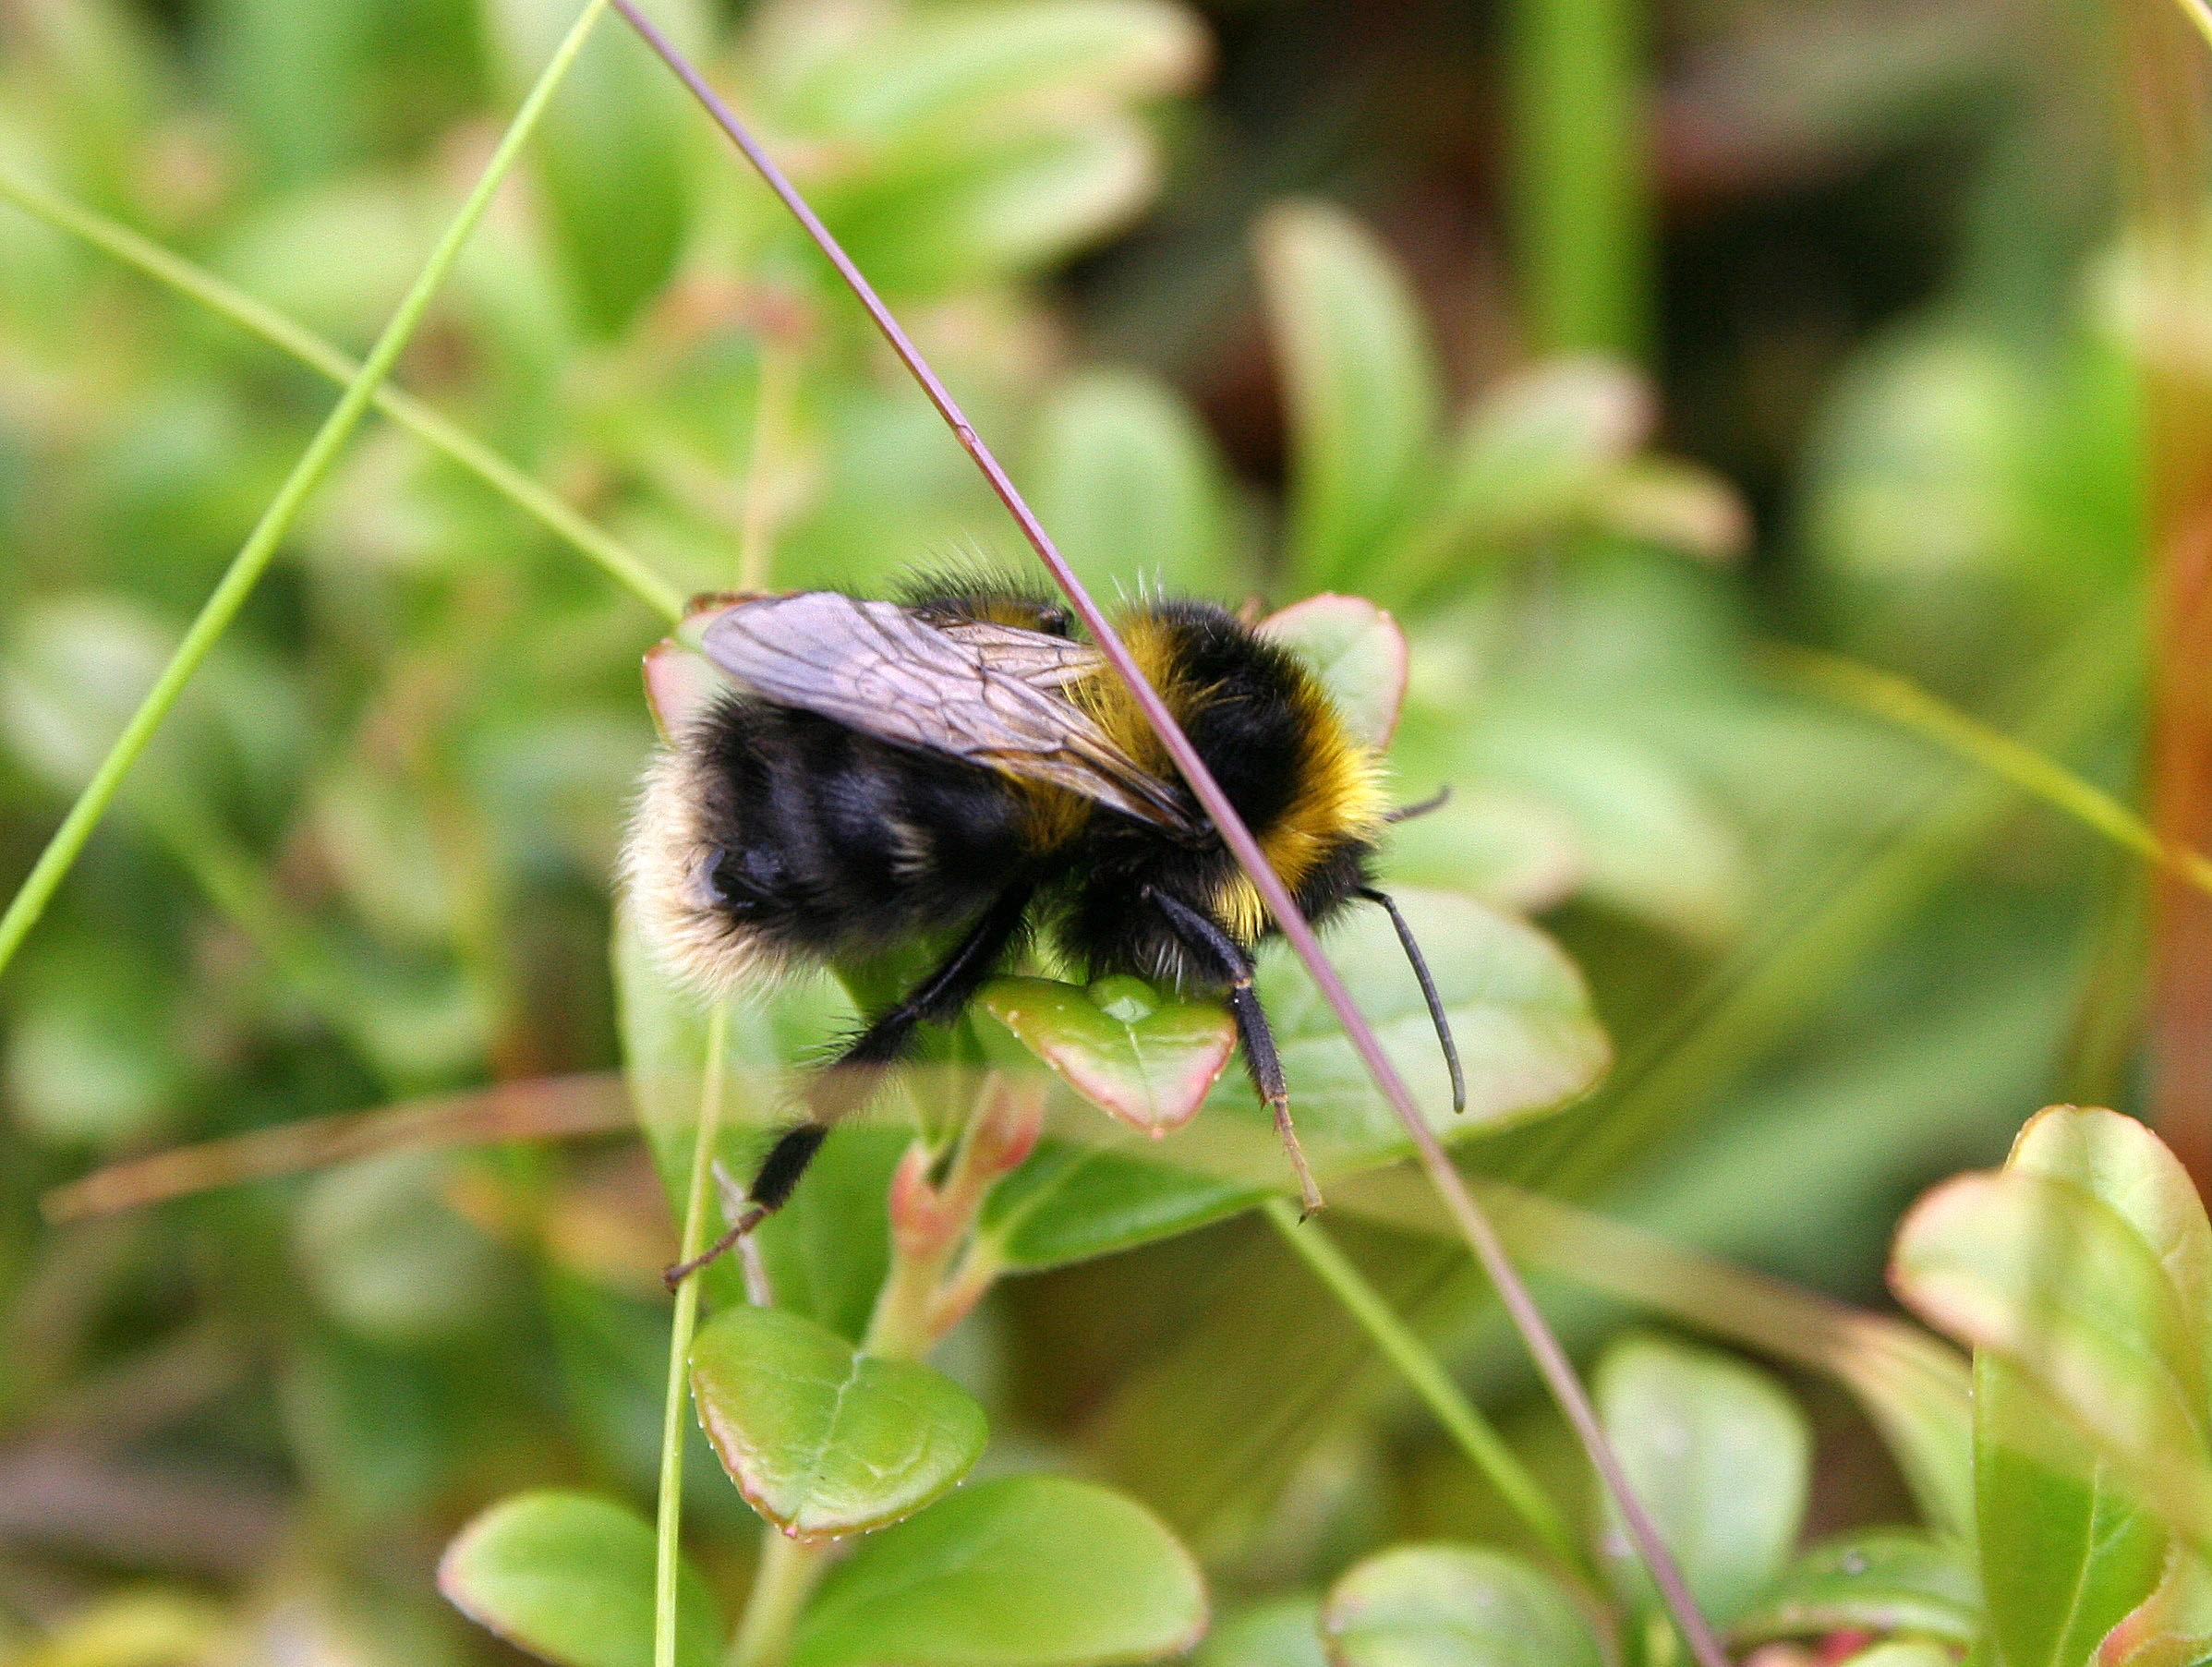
[
  {"x": 1285, "y": 1632},
  {"x": 1504, "y": 845},
  {"x": 1029, "y": 1571},
  {"x": 1358, "y": 652},
  {"x": 610, "y": 155},
  {"x": 821, "y": 1438},
  {"x": 569, "y": 1577},
  {"x": 1884, "y": 1581},
  {"x": 1453, "y": 1606},
  {"x": 1134, "y": 1055},
  {"x": 1652, "y": 842},
  {"x": 1361, "y": 385},
  {"x": 2118, "y": 1160},
  {"x": 1517, "y": 1007},
  {"x": 2048, "y": 1279},
  {"x": 949, "y": 75},
  {"x": 1537, "y": 451},
  {"x": 1132, "y": 487},
  {"x": 2172, "y": 1627},
  {"x": 990, "y": 217},
  {"x": 1674, "y": 505},
  {"x": 1903, "y": 1653},
  {"x": 1718, "y": 1453}
]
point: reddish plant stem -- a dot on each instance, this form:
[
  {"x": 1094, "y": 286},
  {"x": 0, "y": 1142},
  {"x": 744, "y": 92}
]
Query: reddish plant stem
[
  {"x": 2166, "y": 71},
  {"x": 1544, "y": 1347}
]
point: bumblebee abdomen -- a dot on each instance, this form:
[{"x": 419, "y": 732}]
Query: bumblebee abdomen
[{"x": 768, "y": 835}]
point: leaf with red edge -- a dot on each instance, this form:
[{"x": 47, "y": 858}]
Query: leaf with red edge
[
  {"x": 821, "y": 1438},
  {"x": 1146, "y": 1060},
  {"x": 1357, "y": 651}
]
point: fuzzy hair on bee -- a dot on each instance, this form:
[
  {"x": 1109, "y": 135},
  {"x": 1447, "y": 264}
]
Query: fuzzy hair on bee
[{"x": 958, "y": 767}]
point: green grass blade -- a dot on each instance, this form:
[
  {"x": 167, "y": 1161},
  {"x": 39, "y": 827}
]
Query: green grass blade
[
  {"x": 1427, "y": 1378},
  {"x": 256, "y": 319},
  {"x": 1912, "y": 708},
  {"x": 260, "y": 546},
  {"x": 669, "y": 1518}
]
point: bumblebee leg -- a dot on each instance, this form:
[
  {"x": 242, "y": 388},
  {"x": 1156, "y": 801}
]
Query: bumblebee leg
[
  {"x": 844, "y": 1083},
  {"x": 1201, "y": 932}
]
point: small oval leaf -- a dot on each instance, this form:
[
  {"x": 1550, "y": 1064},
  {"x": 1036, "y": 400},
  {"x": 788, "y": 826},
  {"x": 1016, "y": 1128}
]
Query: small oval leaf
[
  {"x": 1358, "y": 652},
  {"x": 1889, "y": 1580},
  {"x": 1453, "y": 1606},
  {"x": 1132, "y": 487},
  {"x": 1136, "y": 1056},
  {"x": 821, "y": 1438},
  {"x": 1718, "y": 1455},
  {"x": 569, "y": 1576},
  {"x": 1030, "y": 1571},
  {"x": 1363, "y": 387}
]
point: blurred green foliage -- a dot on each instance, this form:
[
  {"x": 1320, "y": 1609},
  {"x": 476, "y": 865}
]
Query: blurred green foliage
[{"x": 1229, "y": 291}]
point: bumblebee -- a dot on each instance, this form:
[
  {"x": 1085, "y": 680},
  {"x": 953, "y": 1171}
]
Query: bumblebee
[{"x": 959, "y": 766}]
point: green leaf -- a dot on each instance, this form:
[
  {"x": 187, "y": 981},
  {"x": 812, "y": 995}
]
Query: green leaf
[
  {"x": 1652, "y": 843},
  {"x": 389, "y": 1259},
  {"x": 1504, "y": 845},
  {"x": 948, "y": 74},
  {"x": 1358, "y": 652},
  {"x": 2049, "y": 1280},
  {"x": 610, "y": 151},
  {"x": 825, "y": 1251},
  {"x": 1361, "y": 385},
  {"x": 2172, "y": 1627},
  {"x": 2066, "y": 1549},
  {"x": 1453, "y": 1606},
  {"x": 1030, "y": 1571},
  {"x": 2118, "y": 1161},
  {"x": 1131, "y": 486},
  {"x": 821, "y": 1438},
  {"x": 1881, "y": 1581},
  {"x": 1517, "y": 1007},
  {"x": 1284, "y": 1631},
  {"x": 1538, "y": 451},
  {"x": 983, "y": 219},
  {"x": 1136, "y": 1056},
  {"x": 1718, "y": 1455},
  {"x": 569, "y": 1576}
]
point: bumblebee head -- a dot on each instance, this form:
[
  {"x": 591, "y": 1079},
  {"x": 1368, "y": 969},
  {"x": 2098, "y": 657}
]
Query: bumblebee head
[{"x": 1311, "y": 791}]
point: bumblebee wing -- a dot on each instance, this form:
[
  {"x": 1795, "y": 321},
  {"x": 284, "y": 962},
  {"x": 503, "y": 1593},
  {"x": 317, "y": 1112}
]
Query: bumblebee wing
[
  {"x": 986, "y": 695},
  {"x": 1042, "y": 661}
]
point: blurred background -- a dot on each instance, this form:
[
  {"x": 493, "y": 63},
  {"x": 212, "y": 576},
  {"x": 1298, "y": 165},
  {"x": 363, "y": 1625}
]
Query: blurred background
[{"x": 1612, "y": 346}]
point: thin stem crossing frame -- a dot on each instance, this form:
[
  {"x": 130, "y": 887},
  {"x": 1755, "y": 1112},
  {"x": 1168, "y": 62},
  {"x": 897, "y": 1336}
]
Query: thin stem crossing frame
[{"x": 1474, "y": 1226}]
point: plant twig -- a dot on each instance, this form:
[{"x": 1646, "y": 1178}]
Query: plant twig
[
  {"x": 1427, "y": 1378},
  {"x": 199, "y": 284},
  {"x": 1544, "y": 1347},
  {"x": 269, "y": 534},
  {"x": 669, "y": 1517}
]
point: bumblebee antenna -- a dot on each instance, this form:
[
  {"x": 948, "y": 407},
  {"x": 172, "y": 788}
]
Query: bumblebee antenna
[
  {"x": 1405, "y": 813},
  {"x": 1421, "y": 971}
]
